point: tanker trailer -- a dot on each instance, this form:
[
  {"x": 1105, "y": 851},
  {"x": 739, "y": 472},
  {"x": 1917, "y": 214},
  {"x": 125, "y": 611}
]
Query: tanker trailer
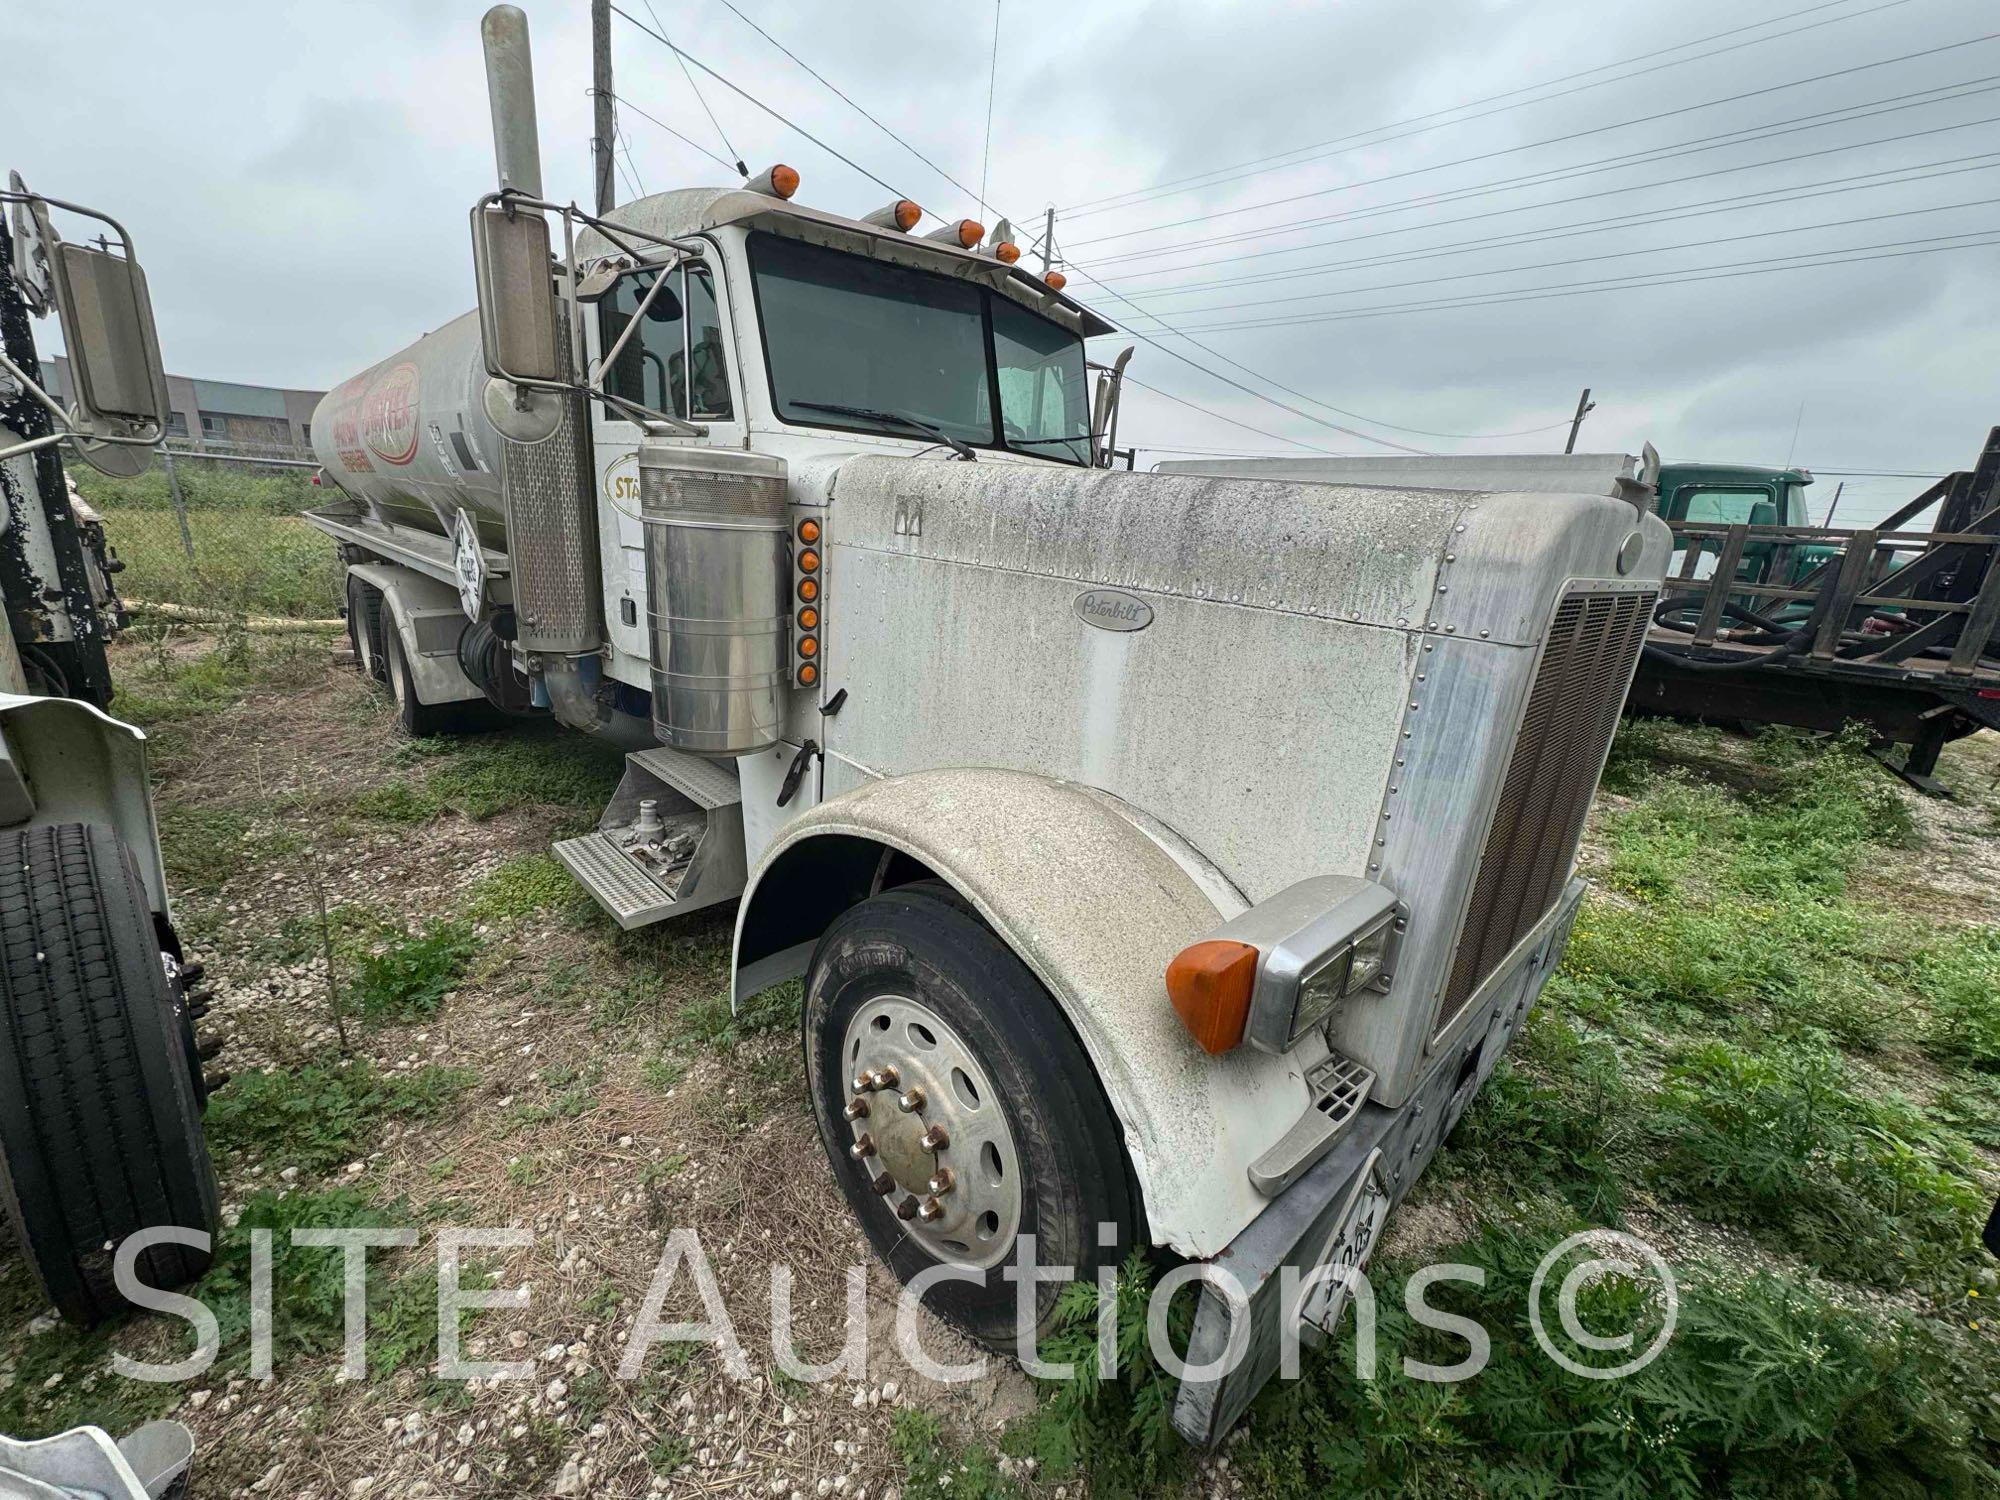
[{"x": 1167, "y": 859}]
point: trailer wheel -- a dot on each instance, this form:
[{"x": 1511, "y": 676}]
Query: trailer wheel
[
  {"x": 100, "y": 1133},
  {"x": 418, "y": 719},
  {"x": 958, "y": 1109},
  {"x": 364, "y": 627}
]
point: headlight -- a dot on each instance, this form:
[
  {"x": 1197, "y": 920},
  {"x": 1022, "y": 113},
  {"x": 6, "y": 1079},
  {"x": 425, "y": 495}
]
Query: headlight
[{"x": 1318, "y": 943}]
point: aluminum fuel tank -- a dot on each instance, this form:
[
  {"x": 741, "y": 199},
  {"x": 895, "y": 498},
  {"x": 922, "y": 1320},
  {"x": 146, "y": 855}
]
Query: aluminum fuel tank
[{"x": 718, "y": 601}]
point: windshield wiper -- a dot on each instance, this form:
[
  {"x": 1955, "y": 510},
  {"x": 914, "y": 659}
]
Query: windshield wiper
[
  {"x": 1080, "y": 437},
  {"x": 896, "y": 419}
]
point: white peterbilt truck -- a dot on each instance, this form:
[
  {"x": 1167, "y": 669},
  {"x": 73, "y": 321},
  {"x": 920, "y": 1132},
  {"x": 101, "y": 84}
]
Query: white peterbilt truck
[{"x": 1167, "y": 858}]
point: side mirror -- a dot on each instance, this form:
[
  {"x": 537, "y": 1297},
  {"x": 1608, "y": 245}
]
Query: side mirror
[
  {"x": 100, "y": 297},
  {"x": 517, "y": 297}
]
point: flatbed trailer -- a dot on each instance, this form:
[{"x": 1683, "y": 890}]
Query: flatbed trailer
[{"x": 1817, "y": 626}]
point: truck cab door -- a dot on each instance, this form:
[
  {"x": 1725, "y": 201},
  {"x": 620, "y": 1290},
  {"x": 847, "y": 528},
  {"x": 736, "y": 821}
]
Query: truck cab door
[{"x": 677, "y": 362}]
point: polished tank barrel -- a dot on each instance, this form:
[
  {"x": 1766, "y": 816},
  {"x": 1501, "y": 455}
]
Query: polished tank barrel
[
  {"x": 718, "y": 595},
  {"x": 410, "y": 439}
]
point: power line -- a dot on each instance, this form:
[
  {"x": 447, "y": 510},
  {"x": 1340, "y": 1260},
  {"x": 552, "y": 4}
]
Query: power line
[
  {"x": 1543, "y": 179},
  {"x": 693, "y": 88},
  {"x": 620, "y": 139},
  {"x": 844, "y": 98},
  {"x": 1145, "y": 338},
  {"x": 1232, "y": 421},
  {"x": 1574, "y": 135},
  {"x": 1577, "y": 260},
  {"x": 753, "y": 99},
  {"x": 992, "y": 73},
  {"x": 1762, "y": 267},
  {"x": 1163, "y": 189},
  {"x": 1734, "y": 203},
  {"x": 684, "y": 140}
]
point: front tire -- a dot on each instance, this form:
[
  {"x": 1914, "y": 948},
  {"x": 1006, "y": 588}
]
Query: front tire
[
  {"x": 100, "y": 1129},
  {"x": 912, "y": 982}
]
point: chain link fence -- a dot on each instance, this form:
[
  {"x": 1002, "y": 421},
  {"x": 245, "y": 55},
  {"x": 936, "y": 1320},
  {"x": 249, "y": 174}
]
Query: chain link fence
[{"x": 217, "y": 535}]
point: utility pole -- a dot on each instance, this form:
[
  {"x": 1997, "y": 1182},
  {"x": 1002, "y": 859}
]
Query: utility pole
[
  {"x": 1584, "y": 407},
  {"x": 604, "y": 121},
  {"x": 1836, "y": 503},
  {"x": 1048, "y": 239}
]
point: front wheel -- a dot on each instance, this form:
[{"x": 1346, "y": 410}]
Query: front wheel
[{"x": 958, "y": 1109}]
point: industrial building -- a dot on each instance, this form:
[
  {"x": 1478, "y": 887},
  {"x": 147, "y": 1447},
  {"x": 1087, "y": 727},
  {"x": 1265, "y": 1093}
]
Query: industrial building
[{"x": 223, "y": 413}]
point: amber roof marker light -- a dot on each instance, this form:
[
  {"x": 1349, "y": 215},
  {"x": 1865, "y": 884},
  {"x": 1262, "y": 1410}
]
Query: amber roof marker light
[{"x": 779, "y": 181}]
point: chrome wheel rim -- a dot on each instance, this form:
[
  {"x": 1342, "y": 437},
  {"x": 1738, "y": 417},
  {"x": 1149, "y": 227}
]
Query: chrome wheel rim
[{"x": 926, "y": 1129}]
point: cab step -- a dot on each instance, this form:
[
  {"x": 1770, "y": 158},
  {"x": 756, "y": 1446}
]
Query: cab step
[
  {"x": 670, "y": 840},
  {"x": 1339, "y": 1086}
]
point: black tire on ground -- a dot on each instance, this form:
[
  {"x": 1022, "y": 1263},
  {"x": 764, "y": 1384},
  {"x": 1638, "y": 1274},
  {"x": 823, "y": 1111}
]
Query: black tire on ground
[
  {"x": 921, "y": 941},
  {"x": 421, "y": 720},
  {"x": 364, "y": 627},
  {"x": 100, "y": 1134}
]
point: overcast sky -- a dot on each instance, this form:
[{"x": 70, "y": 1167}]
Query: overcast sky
[{"x": 297, "y": 175}]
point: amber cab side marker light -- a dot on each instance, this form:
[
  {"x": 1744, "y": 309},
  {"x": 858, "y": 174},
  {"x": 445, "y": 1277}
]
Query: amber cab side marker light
[
  {"x": 1210, "y": 983},
  {"x": 808, "y": 530}
]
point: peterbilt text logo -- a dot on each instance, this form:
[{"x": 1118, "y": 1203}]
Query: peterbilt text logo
[
  {"x": 389, "y": 415},
  {"x": 1108, "y": 609}
]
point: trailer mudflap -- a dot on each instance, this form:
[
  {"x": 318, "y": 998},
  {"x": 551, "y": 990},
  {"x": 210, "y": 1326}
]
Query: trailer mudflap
[
  {"x": 670, "y": 840},
  {"x": 1332, "y": 1216}
]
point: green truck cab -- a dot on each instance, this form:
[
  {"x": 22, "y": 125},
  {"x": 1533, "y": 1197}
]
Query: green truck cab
[{"x": 1733, "y": 495}]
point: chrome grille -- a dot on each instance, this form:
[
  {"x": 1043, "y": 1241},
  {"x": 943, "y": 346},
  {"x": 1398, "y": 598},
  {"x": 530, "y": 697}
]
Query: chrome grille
[{"x": 1565, "y": 731}]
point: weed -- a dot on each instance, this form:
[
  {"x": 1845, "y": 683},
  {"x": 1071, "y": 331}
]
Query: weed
[
  {"x": 1958, "y": 978},
  {"x": 1765, "y": 1389},
  {"x": 1781, "y": 1143},
  {"x": 670, "y": 1454},
  {"x": 1555, "y": 1129},
  {"x": 408, "y": 979},
  {"x": 522, "y": 887},
  {"x": 934, "y": 1465},
  {"x": 715, "y": 1023},
  {"x": 318, "y": 1117}
]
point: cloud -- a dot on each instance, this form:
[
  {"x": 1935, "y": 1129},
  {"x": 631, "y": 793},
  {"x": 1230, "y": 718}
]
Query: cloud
[{"x": 297, "y": 177}]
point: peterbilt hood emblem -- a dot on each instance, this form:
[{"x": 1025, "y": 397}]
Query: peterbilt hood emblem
[{"x": 1111, "y": 609}]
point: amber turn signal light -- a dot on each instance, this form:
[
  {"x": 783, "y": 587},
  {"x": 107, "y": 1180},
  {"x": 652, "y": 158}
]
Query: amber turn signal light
[
  {"x": 808, "y": 588},
  {"x": 808, "y": 618},
  {"x": 1210, "y": 984},
  {"x": 808, "y": 530}
]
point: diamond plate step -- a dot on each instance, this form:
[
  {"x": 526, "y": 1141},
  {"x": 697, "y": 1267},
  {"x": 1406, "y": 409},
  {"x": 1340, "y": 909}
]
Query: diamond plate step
[
  {"x": 633, "y": 897},
  {"x": 1339, "y": 1087},
  {"x": 706, "y": 783}
]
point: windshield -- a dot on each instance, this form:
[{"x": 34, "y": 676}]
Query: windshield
[{"x": 841, "y": 330}]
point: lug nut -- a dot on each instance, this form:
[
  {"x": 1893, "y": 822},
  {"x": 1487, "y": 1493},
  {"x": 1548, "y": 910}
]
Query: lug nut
[
  {"x": 911, "y": 1103},
  {"x": 931, "y": 1211},
  {"x": 936, "y": 1138},
  {"x": 857, "y": 1108},
  {"x": 862, "y": 1149},
  {"x": 883, "y": 1185},
  {"x": 942, "y": 1181},
  {"x": 882, "y": 1078},
  {"x": 907, "y": 1209},
  {"x": 863, "y": 1082}
]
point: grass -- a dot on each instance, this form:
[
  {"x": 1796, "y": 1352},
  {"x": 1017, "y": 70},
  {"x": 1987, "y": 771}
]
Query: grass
[
  {"x": 307, "y": 1319},
  {"x": 408, "y": 978},
  {"x": 320, "y": 1117},
  {"x": 524, "y": 887},
  {"x": 481, "y": 777},
  {"x": 1719, "y": 1044},
  {"x": 250, "y": 553}
]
